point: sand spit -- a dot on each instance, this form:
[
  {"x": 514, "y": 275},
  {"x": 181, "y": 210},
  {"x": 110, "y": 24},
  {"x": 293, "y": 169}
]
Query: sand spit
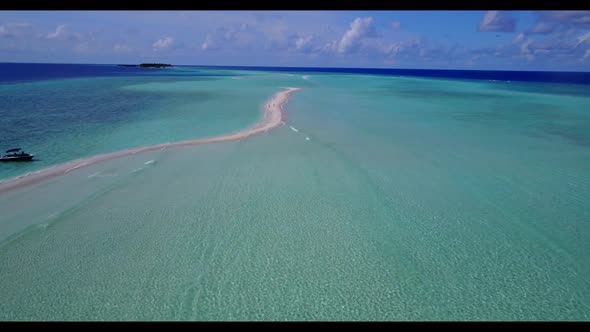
[{"x": 272, "y": 118}]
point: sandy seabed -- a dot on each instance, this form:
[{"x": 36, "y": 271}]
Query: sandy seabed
[{"x": 273, "y": 117}]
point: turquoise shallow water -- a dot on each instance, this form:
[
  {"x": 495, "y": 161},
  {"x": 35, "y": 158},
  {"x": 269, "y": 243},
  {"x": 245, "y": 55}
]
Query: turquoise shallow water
[
  {"x": 61, "y": 120},
  {"x": 396, "y": 199}
]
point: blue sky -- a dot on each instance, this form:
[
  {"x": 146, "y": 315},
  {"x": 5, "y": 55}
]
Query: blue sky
[{"x": 495, "y": 40}]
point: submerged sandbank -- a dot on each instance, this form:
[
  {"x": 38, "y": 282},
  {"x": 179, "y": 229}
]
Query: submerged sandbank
[{"x": 272, "y": 118}]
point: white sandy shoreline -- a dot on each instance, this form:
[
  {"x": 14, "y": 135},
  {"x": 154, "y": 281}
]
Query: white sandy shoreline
[{"x": 272, "y": 118}]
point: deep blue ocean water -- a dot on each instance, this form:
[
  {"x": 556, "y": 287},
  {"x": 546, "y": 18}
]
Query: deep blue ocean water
[
  {"x": 19, "y": 72},
  {"x": 10, "y": 72},
  {"x": 498, "y": 75}
]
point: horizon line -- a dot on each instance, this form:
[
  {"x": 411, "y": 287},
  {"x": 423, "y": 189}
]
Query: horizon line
[{"x": 300, "y": 67}]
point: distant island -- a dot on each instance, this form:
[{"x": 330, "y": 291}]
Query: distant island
[{"x": 149, "y": 65}]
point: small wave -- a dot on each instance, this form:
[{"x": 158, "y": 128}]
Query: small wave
[
  {"x": 137, "y": 170},
  {"x": 293, "y": 128},
  {"x": 307, "y": 138},
  {"x": 43, "y": 225},
  {"x": 150, "y": 162},
  {"x": 305, "y": 77},
  {"x": 75, "y": 167},
  {"x": 98, "y": 175}
]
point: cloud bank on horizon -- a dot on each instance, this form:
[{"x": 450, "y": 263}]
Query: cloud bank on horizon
[{"x": 518, "y": 40}]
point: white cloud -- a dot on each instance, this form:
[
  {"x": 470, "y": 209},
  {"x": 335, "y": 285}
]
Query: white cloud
[
  {"x": 233, "y": 36},
  {"x": 395, "y": 25},
  {"x": 276, "y": 34},
  {"x": 542, "y": 28},
  {"x": 208, "y": 43},
  {"x": 561, "y": 22},
  {"x": 541, "y": 51},
  {"x": 163, "y": 43},
  {"x": 360, "y": 28},
  {"x": 121, "y": 48},
  {"x": 303, "y": 43},
  {"x": 392, "y": 49},
  {"x": 60, "y": 31},
  {"x": 576, "y": 18},
  {"x": 275, "y": 29},
  {"x": 496, "y": 21},
  {"x": 330, "y": 46},
  {"x": 525, "y": 50},
  {"x": 587, "y": 54},
  {"x": 583, "y": 38},
  {"x": 21, "y": 25},
  {"x": 519, "y": 38},
  {"x": 559, "y": 47},
  {"x": 14, "y": 29}
]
